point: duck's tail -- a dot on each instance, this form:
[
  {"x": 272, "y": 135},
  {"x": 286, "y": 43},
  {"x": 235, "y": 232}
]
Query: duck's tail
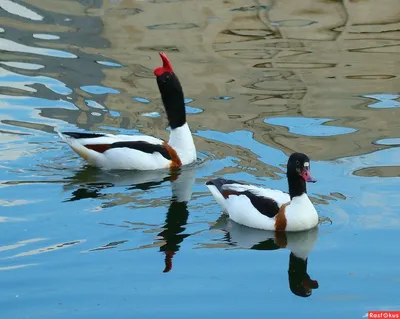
[
  {"x": 77, "y": 147},
  {"x": 215, "y": 187}
]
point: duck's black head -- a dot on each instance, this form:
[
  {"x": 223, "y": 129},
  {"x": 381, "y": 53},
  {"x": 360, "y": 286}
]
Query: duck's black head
[
  {"x": 171, "y": 93},
  {"x": 298, "y": 173},
  {"x": 300, "y": 282}
]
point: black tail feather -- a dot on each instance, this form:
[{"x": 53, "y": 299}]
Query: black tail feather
[
  {"x": 82, "y": 135},
  {"x": 219, "y": 182}
]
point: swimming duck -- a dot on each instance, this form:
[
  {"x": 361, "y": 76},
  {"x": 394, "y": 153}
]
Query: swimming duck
[
  {"x": 270, "y": 209},
  {"x": 142, "y": 152}
]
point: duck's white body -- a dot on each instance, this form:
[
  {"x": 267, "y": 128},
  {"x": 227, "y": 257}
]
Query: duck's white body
[
  {"x": 128, "y": 158},
  {"x": 299, "y": 212}
]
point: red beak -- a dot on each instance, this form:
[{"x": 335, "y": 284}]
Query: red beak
[
  {"x": 167, "y": 67},
  {"x": 168, "y": 260},
  {"x": 307, "y": 176},
  {"x": 313, "y": 284}
]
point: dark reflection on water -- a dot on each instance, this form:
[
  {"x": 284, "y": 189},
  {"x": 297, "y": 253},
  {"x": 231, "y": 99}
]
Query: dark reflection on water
[
  {"x": 299, "y": 244},
  {"x": 89, "y": 183},
  {"x": 181, "y": 180},
  {"x": 177, "y": 215},
  {"x": 175, "y": 223}
]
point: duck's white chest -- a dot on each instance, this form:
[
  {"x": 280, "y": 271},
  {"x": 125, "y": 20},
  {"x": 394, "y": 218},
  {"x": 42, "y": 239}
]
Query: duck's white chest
[{"x": 301, "y": 214}]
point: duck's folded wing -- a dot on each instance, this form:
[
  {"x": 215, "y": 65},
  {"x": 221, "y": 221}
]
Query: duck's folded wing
[
  {"x": 141, "y": 146},
  {"x": 266, "y": 201}
]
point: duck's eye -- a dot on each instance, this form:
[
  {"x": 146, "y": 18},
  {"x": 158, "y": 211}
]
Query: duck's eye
[{"x": 297, "y": 163}]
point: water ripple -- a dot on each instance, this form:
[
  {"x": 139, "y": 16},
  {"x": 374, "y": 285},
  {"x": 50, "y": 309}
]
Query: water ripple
[
  {"x": 108, "y": 63},
  {"x": 98, "y": 89},
  {"x": 389, "y": 141},
  {"x": 23, "y": 65},
  {"x": 94, "y": 104},
  {"x": 309, "y": 126},
  {"x": 22, "y": 82},
  {"x": 251, "y": 8},
  {"x": 47, "y": 249},
  {"x": 385, "y": 100},
  {"x": 45, "y": 36},
  {"x": 141, "y": 99},
  {"x": 224, "y": 98},
  {"x": 293, "y": 23},
  {"x": 20, "y": 110},
  {"x": 19, "y": 10},
  {"x": 9, "y": 100},
  {"x": 11, "y": 46},
  {"x": 189, "y": 110},
  {"x": 173, "y": 26}
]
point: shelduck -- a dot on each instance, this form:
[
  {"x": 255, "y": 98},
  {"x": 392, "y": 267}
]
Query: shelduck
[
  {"x": 143, "y": 152},
  {"x": 270, "y": 209}
]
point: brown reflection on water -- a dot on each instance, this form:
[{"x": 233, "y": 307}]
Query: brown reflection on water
[
  {"x": 295, "y": 58},
  {"x": 274, "y": 58},
  {"x": 382, "y": 171}
]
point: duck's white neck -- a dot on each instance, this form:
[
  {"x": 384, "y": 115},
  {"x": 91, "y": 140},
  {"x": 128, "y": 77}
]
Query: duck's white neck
[
  {"x": 181, "y": 140},
  {"x": 182, "y": 187},
  {"x": 301, "y": 199}
]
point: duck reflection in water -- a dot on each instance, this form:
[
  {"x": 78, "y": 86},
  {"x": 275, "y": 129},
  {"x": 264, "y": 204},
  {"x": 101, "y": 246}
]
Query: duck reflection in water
[
  {"x": 300, "y": 245},
  {"x": 92, "y": 181},
  {"x": 177, "y": 215}
]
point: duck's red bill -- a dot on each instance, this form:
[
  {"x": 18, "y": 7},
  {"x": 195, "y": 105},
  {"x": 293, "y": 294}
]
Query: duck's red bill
[
  {"x": 309, "y": 283},
  {"x": 167, "y": 66},
  {"x": 307, "y": 176}
]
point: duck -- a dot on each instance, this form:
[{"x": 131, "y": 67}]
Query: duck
[
  {"x": 270, "y": 209},
  {"x": 143, "y": 152}
]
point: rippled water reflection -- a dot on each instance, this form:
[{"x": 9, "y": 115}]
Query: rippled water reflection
[{"x": 261, "y": 79}]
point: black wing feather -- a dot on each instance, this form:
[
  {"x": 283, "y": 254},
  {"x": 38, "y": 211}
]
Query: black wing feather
[
  {"x": 143, "y": 147},
  {"x": 219, "y": 182},
  {"x": 82, "y": 135}
]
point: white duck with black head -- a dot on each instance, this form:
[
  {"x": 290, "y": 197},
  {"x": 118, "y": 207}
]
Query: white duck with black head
[
  {"x": 143, "y": 152},
  {"x": 270, "y": 209}
]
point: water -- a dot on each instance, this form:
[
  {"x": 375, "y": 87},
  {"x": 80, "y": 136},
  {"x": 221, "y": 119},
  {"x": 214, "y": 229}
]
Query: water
[{"x": 262, "y": 79}]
